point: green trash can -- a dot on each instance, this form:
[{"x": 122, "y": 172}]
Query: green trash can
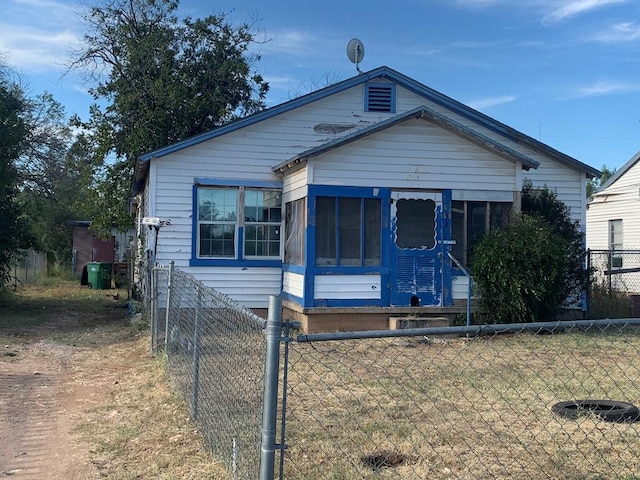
[{"x": 99, "y": 275}]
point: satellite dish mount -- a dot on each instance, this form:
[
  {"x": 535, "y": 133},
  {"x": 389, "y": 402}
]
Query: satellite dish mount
[{"x": 355, "y": 52}]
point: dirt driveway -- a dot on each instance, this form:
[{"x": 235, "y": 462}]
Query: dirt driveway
[
  {"x": 82, "y": 398},
  {"x": 48, "y": 381}
]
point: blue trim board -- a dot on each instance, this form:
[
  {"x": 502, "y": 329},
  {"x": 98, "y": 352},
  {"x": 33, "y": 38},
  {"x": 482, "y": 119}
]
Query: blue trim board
[
  {"x": 236, "y": 182},
  {"x": 446, "y": 234},
  {"x": 231, "y": 262},
  {"x": 194, "y": 222},
  {"x": 292, "y": 298},
  {"x": 291, "y": 268},
  {"x": 356, "y": 302}
]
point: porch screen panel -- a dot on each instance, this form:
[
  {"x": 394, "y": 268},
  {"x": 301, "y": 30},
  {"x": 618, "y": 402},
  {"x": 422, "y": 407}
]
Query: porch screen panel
[
  {"x": 350, "y": 220},
  {"x": 372, "y": 232},
  {"x": 326, "y": 254}
]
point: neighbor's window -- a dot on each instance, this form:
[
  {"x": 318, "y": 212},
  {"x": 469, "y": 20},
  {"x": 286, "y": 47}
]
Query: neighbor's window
[
  {"x": 348, "y": 231},
  {"x": 220, "y": 224},
  {"x": 615, "y": 243},
  {"x": 471, "y": 221}
]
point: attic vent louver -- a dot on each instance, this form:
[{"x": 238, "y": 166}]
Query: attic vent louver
[{"x": 380, "y": 97}]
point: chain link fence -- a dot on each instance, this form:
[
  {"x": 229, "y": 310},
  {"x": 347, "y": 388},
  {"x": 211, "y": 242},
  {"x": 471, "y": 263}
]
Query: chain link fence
[
  {"x": 215, "y": 353},
  {"x": 543, "y": 400},
  {"x": 437, "y": 404},
  {"x": 614, "y": 291}
]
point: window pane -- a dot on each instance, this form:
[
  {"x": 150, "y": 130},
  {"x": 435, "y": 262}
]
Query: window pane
[
  {"x": 262, "y": 205},
  {"x": 372, "y": 232},
  {"x": 262, "y": 240},
  {"x": 350, "y": 219},
  {"x": 217, "y": 204},
  {"x": 217, "y": 240},
  {"x": 415, "y": 224},
  {"x": 326, "y": 231}
]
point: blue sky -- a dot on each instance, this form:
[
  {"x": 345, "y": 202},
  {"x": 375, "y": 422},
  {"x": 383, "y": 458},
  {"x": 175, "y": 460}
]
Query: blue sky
[{"x": 566, "y": 72}]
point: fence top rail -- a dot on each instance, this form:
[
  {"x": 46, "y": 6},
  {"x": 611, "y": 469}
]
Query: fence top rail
[{"x": 473, "y": 330}]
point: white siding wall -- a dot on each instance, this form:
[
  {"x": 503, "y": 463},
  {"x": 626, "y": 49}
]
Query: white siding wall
[
  {"x": 345, "y": 287},
  {"x": 415, "y": 154},
  {"x": 460, "y": 288},
  {"x": 620, "y": 201},
  {"x": 293, "y": 283},
  {"x": 295, "y": 185}
]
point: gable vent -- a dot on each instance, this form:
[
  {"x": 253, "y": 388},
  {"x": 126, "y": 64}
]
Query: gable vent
[{"x": 380, "y": 98}]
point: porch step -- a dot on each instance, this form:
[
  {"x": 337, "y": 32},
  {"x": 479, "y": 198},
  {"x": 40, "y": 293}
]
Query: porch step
[{"x": 400, "y": 323}]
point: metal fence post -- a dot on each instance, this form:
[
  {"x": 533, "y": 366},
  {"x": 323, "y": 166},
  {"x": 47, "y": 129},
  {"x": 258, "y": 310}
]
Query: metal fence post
[
  {"x": 196, "y": 356},
  {"x": 270, "y": 399},
  {"x": 166, "y": 326},
  {"x": 153, "y": 300}
]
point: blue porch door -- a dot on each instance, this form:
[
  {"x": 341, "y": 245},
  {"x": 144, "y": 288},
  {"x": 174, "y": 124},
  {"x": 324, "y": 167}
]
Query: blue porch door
[{"x": 416, "y": 249}]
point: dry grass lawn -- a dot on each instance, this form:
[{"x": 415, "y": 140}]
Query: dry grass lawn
[{"x": 463, "y": 409}]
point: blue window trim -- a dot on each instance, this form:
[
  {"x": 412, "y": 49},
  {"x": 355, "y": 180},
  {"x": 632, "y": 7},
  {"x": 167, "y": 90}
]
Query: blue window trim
[
  {"x": 392, "y": 86},
  {"x": 221, "y": 182},
  {"x": 194, "y": 261},
  {"x": 311, "y": 270}
]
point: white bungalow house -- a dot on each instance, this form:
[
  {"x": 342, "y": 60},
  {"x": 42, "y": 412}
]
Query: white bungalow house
[
  {"x": 613, "y": 224},
  {"x": 346, "y": 201}
]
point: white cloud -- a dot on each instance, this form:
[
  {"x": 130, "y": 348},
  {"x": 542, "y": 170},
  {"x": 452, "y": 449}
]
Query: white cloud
[
  {"x": 552, "y": 11},
  {"x": 618, "y": 33},
  {"x": 480, "y": 104},
  {"x": 290, "y": 42},
  {"x": 606, "y": 88},
  {"x": 577, "y": 7},
  {"x": 36, "y": 35}
]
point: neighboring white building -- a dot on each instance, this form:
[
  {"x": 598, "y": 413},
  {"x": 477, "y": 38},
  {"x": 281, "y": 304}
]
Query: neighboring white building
[
  {"x": 613, "y": 223},
  {"x": 345, "y": 200}
]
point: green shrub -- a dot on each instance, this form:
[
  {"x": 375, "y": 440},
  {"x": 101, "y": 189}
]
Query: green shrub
[
  {"x": 544, "y": 203},
  {"x": 519, "y": 271}
]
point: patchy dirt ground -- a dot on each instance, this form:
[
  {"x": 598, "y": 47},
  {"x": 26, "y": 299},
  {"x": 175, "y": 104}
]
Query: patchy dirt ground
[
  {"x": 47, "y": 383},
  {"x": 82, "y": 398}
]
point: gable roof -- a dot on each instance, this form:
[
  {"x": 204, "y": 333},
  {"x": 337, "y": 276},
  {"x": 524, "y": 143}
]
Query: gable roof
[
  {"x": 424, "y": 113},
  {"x": 627, "y": 166},
  {"x": 142, "y": 164}
]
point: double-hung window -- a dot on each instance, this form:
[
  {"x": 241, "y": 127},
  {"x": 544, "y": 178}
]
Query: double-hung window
[
  {"x": 615, "y": 243},
  {"x": 238, "y": 223}
]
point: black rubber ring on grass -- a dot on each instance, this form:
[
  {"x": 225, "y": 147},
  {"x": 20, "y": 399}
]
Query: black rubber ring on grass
[{"x": 608, "y": 410}]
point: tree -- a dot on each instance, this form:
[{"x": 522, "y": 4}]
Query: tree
[
  {"x": 12, "y": 137},
  {"x": 593, "y": 184},
  {"x": 163, "y": 80}
]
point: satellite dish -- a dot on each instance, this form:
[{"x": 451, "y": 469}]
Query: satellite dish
[{"x": 355, "y": 52}]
